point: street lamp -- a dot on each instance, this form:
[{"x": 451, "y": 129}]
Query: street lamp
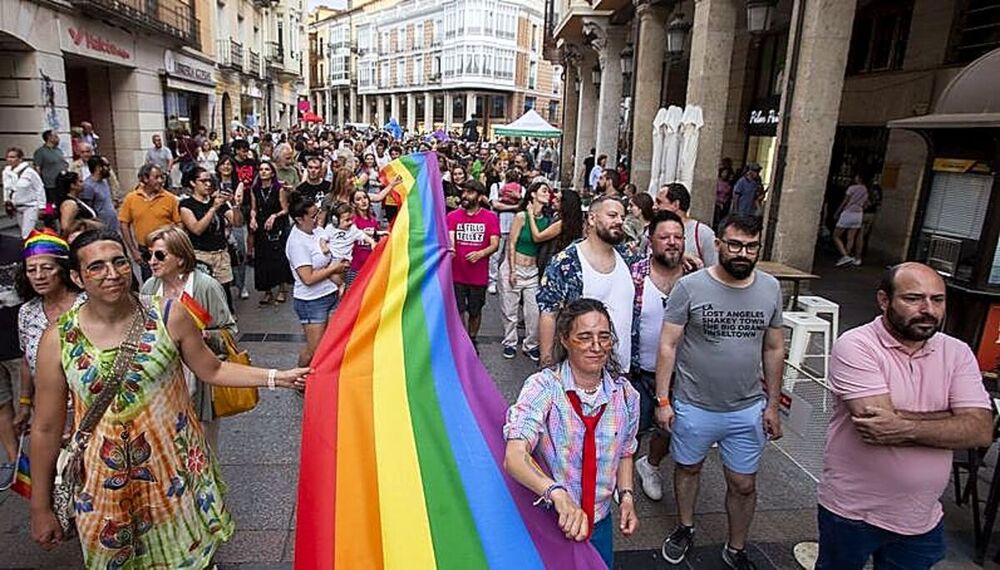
[
  {"x": 595, "y": 74},
  {"x": 759, "y": 15},
  {"x": 626, "y": 59},
  {"x": 677, "y": 32}
]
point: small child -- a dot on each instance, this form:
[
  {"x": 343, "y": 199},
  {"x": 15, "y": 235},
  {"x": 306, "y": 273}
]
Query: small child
[{"x": 340, "y": 238}]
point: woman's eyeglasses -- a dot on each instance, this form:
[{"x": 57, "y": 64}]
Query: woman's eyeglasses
[{"x": 159, "y": 254}]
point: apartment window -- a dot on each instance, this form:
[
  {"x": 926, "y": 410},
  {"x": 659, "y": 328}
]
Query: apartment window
[
  {"x": 400, "y": 73},
  {"x": 529, "y": 103},
  {"x": 383, "y": 81},
  {"x": 220, "y": 19},
  {"x": 534, "y": 37},
  {"x": 498, "y": 106},
  {"x": 878, "y": 41},
  {"x": 532, "y": 75},
  {"x": 554, "y": 111},
  {"x": 418, "y": 70},
  {"x": 976, "y": 30},
  {"x": 418, "y": 35}
]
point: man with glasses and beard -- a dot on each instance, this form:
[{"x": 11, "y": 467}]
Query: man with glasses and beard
[
  {"x": 907, "y": 395},
  {"x": 718, "y": 326},
  {"x": 654, "y": 276},
  {"x": 594, "y": 268}
]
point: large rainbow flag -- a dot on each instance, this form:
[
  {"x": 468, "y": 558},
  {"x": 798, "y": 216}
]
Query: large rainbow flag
[{"x": 402, "y": 448}]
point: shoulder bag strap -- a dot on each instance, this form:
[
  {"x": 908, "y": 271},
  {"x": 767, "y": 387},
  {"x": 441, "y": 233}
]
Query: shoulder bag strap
[
  {"x": 697, "y": 240},
  {"x": 123, "y": 359}
]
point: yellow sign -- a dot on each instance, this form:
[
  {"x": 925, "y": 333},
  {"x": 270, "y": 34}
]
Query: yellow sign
[{"x": 953, "y": 165}]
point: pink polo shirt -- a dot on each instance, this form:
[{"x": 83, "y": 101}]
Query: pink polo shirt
[{"x": 894, "y": 488}]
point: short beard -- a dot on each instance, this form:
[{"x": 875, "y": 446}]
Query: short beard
[
  {"x": 906, "y": 329},
  {"x": 606, "y": 237},
  {"x": 669, "y": 260},
  {"x": 741, "y": 271}
]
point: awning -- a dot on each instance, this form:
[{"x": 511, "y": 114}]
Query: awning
[
  {"x": 181, "y": 85},
  {"x": 949, "y": 121},
  {"x": 530, "y": 124}
]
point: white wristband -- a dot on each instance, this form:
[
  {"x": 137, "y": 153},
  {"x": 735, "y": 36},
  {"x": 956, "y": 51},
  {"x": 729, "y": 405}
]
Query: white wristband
[{"x": 271, "y": 374}]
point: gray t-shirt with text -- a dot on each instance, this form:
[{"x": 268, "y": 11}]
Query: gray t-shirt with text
[{"x": 718, "y": 364}]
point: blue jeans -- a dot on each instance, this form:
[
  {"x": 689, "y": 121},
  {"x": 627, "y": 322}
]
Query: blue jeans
[
  {"x": 846, "y": 544},
  {"x": 603, "y": 539}
]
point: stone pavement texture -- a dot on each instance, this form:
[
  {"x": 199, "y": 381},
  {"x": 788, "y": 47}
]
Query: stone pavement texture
[{"x": 260, "y": 454}]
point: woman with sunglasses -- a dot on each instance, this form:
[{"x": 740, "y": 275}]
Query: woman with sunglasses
[
  {"x": 582, "y": 401},
  {"x": 269, "y": 224},
  {"x": 172, "y": 260},
  {"x": 206, "y": 213}
]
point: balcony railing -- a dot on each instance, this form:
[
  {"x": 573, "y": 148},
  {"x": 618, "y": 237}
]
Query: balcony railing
[
  {"x": 275, "y": 54},
  {"x": 253, "y": 63},
  {"x": 173, "y": 18},
  {"x": 230, "y": 54}
]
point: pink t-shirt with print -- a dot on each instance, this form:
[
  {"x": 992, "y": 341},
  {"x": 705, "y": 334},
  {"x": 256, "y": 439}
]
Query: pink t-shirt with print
[
  {"x": 893, "y": 488},
  {"x": 472, "y": 233}
]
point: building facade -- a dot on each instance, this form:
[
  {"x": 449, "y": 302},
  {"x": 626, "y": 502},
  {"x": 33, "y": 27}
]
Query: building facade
[
  {"x": 805, "y": 88},
  {"x": 132, "y": 68},
  {"x": 432, "y": 64}
]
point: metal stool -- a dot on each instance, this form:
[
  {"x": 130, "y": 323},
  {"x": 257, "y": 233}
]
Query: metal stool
[
  {"x": 819, "y": 306},
  {"x": 803, "y": 325}
]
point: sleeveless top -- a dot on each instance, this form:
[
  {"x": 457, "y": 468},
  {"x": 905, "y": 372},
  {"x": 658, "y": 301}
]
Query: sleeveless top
[
  {"x": 152, "y": 497},
  {"x": 525, "y": 244}
]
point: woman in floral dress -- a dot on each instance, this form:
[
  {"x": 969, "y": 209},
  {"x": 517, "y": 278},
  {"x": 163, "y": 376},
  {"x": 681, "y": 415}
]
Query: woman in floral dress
[{"x": 152, "y": 493}]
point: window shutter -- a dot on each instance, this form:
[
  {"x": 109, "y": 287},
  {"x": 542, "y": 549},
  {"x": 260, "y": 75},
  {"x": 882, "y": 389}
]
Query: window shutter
[{"x": 958, "y": 204}]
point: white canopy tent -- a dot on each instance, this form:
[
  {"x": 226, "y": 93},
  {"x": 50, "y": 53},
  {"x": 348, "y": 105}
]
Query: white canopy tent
[{"x": 530, "y": 124}]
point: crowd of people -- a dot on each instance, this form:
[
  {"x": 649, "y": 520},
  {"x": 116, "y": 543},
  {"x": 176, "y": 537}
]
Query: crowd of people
[{"x": 645, "y": 322}]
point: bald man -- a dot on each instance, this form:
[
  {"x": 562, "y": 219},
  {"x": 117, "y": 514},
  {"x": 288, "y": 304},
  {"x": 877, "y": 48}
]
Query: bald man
[{"x": 906, "y": 396}]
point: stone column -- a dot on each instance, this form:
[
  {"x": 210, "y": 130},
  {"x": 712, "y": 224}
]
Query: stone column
[
  {"x": 712, "y": 39},
  {"x": 449, "y": 111},
  {"x": 608, "y": 41},
  {"x": 428, "y": 112},
  {"x": 352, "y": 96},
  {"x": 411, "y": 112},
  {"x": 586, "y": 119},
  {"x": 815, "y": 107},
  {"x": 365, "y": 113},
  {"x": 470, "y": 105},
  {"x": 647, "y": 76},
  {"x": 571, "y": 107},
  {"x": 394, "y": 107},
  {"x": 380, "y": 118},
  {"x": 341, "y": 116}
]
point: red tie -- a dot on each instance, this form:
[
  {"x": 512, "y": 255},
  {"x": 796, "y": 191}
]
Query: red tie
[{"x": 589, "y": 486}]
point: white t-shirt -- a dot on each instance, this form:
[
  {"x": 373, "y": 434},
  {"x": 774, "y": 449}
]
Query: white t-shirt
[
  {"x": 506, "y": 218},
  {"x": 341, "y": 242},
  {"x": 699, "y": 240},
  {"x": 303, "y": 249},
  {"x": 617, "y": 291},
  {"x": 650, "y": 324}
]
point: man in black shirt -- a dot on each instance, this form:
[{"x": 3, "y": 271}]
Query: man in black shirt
[
  {"x": 10, "y": 355},
  {"x": 315, "y": 186}
]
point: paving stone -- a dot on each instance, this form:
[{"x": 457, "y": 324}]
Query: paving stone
[{"x": 261, "y": 497}]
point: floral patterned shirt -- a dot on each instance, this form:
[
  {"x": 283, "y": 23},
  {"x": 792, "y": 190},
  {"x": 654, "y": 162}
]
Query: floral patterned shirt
[
  {"x": 31, "y": 324},
  {"x": 562, "y": 281}
]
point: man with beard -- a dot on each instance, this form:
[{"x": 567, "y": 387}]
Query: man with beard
[
  {"x": 654, "y": 277},
  {"x": 475, "y": 235},
  {"x": 594, "y": 268},
  {"x": 717, "y": 325},
  {"x": 907, "y": 395}
]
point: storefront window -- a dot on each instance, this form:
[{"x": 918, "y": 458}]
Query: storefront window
[{"x": 995, "y": 269}]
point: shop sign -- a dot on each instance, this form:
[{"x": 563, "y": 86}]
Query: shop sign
[
  {"x": 988, "y": 354},
  {"x": 97, "y": 41},
  {"x": 960, "y": 166},
  {"x": 189, "y": 69},
  {"x": 764, "y": 117},
  {"x": 251, "y": 89}
]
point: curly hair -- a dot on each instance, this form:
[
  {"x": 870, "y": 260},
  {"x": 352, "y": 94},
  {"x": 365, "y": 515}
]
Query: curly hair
[{"x": 564, "y": 325}]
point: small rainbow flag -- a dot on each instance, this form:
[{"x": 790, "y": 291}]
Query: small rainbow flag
[
  {"x": 22, "y": 476},
  {"x": 202, "y": 318},
  {"x": 402, "y": 444}
]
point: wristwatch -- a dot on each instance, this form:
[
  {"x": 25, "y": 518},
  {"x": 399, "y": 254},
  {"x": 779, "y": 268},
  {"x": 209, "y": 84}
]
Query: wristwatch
[{"x": 662, "y": 401}]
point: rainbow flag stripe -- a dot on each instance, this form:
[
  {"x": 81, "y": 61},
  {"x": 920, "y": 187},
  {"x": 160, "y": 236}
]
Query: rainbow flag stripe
[
  {"x": 202, "y": 318},
  {"x": 22, "y": 475},
  {"x": 402, "y": 447}
]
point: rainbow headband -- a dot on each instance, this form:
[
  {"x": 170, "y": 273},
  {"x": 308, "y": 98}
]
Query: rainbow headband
[{"x": 44, "y": 243}]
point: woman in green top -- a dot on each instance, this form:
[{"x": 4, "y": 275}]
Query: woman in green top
[{"x": 519, "y": 275}]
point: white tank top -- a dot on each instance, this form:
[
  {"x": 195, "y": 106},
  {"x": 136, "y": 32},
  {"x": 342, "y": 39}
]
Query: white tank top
[
  {"x": 617, "y": 292},
  {"x": 650, "y": 324}
]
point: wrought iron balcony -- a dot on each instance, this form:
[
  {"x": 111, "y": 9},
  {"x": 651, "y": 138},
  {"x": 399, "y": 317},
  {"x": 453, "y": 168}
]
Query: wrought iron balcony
[
  {"x": 253, "y": 63},
  {"x": 230, "y": 54},
  {"x": 173, "y": 18},
  {"x": 275, "y": 55}
]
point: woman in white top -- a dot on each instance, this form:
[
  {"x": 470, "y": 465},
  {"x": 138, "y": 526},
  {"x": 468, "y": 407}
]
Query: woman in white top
[
  {"x": 849, "y": 218},
  {"x": 208, "y": 157},
  {"x": 313, "y": 265}
]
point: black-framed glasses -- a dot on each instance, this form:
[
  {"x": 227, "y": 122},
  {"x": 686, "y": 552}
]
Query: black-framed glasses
[
  {"x": 159, "y": 254},
  {"x": 736, "y": 246}
]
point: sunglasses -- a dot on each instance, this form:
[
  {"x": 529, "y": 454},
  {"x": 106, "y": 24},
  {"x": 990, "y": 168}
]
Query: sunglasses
[{"x": 160, "y": 255}]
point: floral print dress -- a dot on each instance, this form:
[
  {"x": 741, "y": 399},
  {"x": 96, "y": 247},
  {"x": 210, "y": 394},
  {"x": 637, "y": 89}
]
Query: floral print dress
[{"x": 152, "y": 497}]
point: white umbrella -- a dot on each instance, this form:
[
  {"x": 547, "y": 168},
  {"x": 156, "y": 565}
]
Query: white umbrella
[
  {"x": 671, "y": 146},
  {"x": 659, "y": 134},
  {"x": 691, "y": 123}
]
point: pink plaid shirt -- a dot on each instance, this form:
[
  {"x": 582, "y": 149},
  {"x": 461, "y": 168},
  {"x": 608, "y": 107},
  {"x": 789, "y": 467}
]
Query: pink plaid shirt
[{"x": 544, "y": 417}]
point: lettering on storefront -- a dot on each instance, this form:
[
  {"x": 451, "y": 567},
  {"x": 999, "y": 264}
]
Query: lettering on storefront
[
  {"x": 764, "y": 117},
  {"x": 189, "y": 69},
  {"x": 91, "y": 41}
]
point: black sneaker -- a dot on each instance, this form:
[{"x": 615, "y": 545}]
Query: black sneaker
[
  {"x": 676, "y": 546},
  {"x": 737, "y": 559},
  {"x": 509, "y": 352},
  {"x": 534, "y": 354}
]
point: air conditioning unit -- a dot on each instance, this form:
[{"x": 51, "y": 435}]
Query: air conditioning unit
[{"x": 943, "y": 254}]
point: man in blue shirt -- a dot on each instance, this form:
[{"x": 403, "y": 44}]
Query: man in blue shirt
[{"x": 745, "y": 191}]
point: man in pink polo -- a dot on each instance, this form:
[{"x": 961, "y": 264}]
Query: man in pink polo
[{"x": 907, "y": 395}]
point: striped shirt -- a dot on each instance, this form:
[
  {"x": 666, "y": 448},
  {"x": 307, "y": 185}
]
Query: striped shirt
[{"x": 544, "y": 417}]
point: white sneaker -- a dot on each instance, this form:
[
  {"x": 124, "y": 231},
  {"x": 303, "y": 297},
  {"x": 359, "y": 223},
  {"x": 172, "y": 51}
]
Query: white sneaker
[
  {"x": 650, "y": 477},
  {"x": 492, "y": 289},
  {"x": 845, "y": 260},
  {"x": 856, "y": 262},
  {"x": 244, "y": 294}
]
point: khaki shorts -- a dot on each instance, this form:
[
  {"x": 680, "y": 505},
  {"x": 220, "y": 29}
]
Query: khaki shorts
[
  {"x": 219, "y": 262},
  {"x": 10, "y": 375}
]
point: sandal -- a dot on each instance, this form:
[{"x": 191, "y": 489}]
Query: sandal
[
  {"x": 266, "y": 300},
  {"x": 281, "y": 297}
]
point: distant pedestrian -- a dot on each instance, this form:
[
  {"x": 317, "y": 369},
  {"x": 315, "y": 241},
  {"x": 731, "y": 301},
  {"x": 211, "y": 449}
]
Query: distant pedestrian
[
  {"x": 206, "y": 213},
  {"x": 366, "y": 221},
  {"x": 97, "y": 193},
  {"x": 71, "y": 207},
  {"x": 149, "y": 207},
  {"x": 208, "y": 157},
  {"x": 850, "y": 217},
  {"x": 49, "y": 161},
  {"x": 747, "y": 192},
  {"x": 581, "y": 415},
  {"x": 160, "y": 156},
  {"x": 907, "y": 395},
  {"x": 596, "y": 172},
  {"x": 475, "y": 236},
  {"x": 269, "y": 225},
  {"x": 505, "y": 198},
  {"x": 24, "y": 192}
]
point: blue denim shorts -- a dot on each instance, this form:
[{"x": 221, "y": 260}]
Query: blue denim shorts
[
  {"x": 316, "y": 311},
  {"x": 740, "y": 436}
]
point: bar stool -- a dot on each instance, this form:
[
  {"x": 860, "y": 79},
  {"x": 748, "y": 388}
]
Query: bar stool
[
  {"x": 803, "y": 325},
  {"x": 819, "y": 306}
]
